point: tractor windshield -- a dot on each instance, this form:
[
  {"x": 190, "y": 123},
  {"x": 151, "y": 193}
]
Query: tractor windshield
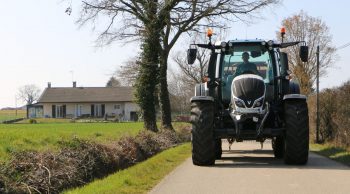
[{"x": 245, "y": 59}]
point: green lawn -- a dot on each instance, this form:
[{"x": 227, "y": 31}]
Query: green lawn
[
  {"x": 45, "y": 120},
  {"x": 46, "y": 136},
  {"x": 339, "y": 154},
  {"x": 140, "y": 178},
  {"x": 11, "y": 114}
]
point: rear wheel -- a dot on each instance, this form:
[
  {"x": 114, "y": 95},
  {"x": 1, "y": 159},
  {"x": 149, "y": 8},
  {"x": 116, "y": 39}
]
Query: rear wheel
[
  {"x": 203, "y": 142},
  {"x": 297, "y": 132},
  {"x": 278, "y": 146}
]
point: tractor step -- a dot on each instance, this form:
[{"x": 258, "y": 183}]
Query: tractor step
[{"x": 247, "y": 134}]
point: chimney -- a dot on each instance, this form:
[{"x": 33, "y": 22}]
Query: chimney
[
  {"x": 48, "y": 84},
  {"x": 74, "y": 84}
]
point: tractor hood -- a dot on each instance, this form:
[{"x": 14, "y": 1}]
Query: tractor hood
[{"x": 248, "y": 88}]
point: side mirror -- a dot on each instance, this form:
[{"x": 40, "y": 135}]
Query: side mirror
[
  {"x": 191, "y": 54},
  {"x": 284, "y": 63},
  {"x": 304, "y": 53}
]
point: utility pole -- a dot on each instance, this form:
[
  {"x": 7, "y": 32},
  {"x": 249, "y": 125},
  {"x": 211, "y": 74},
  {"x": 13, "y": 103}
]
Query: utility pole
[{"x": 317, "y": 95}]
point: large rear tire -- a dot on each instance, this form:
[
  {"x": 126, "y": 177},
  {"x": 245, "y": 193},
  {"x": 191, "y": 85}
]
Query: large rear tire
[
  {"x": 297, "y": 132},
  {"x": 203, "y": 142},
  {"x": 278, "y": 146}
]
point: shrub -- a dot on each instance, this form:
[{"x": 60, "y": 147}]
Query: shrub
[
  {"x": 78, "y": 162},
  {"x": 334, "y": 115},
  {"x": 32, "y": 121}
]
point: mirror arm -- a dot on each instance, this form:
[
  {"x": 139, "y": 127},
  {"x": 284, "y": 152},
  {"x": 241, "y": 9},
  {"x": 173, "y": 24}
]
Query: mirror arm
[
  {"x": 207, "y": 46},
  {"x": 288, "y": 44}
]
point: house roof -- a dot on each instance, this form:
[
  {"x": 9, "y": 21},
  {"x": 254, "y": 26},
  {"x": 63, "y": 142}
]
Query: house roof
[{"x": 86, "y": 94}]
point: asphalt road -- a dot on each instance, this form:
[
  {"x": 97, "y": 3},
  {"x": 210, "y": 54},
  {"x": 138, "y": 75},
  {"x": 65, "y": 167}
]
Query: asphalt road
[{"x": 249, "y": 169}]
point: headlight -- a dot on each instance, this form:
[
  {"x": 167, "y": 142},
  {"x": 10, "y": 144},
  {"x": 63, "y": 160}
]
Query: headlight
[
  {"x": 270, "y": 43},
  {"x": 239, "y": 103},
  {"x": 223, "y": 44},
  {"x": 259, "y": 103}
]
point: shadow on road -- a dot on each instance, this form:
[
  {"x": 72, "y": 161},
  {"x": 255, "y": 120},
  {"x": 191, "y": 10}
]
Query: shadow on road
[{"x": 265, "y": 159}]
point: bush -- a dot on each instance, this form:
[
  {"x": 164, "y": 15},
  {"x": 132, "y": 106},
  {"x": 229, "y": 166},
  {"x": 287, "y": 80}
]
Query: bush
[
  {"x": 78, "y": 162},
  {"x": 334, "y": 115},
  {"x": 32, "y": 121}
]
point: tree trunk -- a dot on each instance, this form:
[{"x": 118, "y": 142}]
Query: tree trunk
[
  {"x": 163, "y": 93},
  {"x": 147, "y": 80},
  {"x": 146, "y": 84}
]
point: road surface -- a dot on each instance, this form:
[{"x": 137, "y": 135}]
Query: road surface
[{"x": 249, "y": 169}]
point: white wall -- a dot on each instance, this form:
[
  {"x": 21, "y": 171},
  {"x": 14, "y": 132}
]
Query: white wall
[
  {"x": 125, "y": 109},
  {"x": 47, "y": 110},
  {"x": 110, "y": 110},
  {"x": 130, "y": 107}
]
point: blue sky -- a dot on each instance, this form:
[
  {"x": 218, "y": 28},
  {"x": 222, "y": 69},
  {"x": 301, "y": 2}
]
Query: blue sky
[{"x": 39, "y": 43}]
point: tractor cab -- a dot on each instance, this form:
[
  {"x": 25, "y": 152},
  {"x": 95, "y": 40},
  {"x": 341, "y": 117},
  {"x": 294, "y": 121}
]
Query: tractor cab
[{"x": 243, "y": 58}]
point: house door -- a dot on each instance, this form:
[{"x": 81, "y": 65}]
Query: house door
[
  {"x": 97, "y": 110},
  {"x": 60, "y": 111},
  {"x": 78, "y": 110},
  {"x": 134, "y": 116}
]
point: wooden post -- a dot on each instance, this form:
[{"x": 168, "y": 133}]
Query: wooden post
[{"x": 317, "y": 96}]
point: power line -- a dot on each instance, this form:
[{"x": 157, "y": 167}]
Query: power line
[{"x": 343, "y": 46}]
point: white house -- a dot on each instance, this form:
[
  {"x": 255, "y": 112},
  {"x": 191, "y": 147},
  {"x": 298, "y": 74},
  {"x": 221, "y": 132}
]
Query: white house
[{"x": 76, "y": 102}]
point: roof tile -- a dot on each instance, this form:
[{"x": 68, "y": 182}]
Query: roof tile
[{"x": 87, "y": 94}]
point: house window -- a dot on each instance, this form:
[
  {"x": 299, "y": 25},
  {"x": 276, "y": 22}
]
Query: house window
[{"x": 117, "y": 106}]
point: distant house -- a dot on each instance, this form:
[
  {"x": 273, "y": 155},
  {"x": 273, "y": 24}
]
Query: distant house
[{"x": 76, "y": 102}]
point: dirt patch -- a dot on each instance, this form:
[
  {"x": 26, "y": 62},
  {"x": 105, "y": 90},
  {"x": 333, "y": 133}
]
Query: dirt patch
[{"x": 79, "y": 162}]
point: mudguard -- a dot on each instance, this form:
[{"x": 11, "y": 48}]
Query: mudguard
[
  {"x": 202, "y": 98},
  {"x": 294, "y": 96}
]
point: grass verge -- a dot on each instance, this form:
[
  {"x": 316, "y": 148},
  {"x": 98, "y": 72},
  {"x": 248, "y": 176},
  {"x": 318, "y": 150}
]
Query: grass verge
[
  {"x": 339, "y": 154},
  {"x": 140, "y": 178},
  {"x": 48, "y": 136}
]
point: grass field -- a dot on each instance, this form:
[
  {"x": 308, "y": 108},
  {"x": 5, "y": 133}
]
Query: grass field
[
  {"x": 140, "y": 178},
  {"x": 46, "y": 136},
  {"x": 11, "y": 114}
]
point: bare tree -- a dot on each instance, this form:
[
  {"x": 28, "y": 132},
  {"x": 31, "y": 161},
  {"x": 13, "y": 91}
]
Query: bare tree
[
  {"x": 193, "y": 74},
  {"x": 128, "y": 72},
  {"x": 29, "y": 93},
  {"x": 315, "y": 32},
  {"x": 182, "y": 83},
  {"x": 180, "y": 91},
  {"x": 113, "y": 82}
]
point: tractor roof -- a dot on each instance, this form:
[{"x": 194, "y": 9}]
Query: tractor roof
[
  {"x": 247, "y": 40},
  {"x": 242, "y": 41}
]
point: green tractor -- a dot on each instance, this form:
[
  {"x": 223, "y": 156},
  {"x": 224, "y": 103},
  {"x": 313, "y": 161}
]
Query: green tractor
[{"x": 248, "y": 95}]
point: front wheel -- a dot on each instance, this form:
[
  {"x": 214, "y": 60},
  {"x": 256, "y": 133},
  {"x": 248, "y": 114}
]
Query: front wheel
[
  {"x": 203, "y": 142},
  {"x": 297, "y": 132}
]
